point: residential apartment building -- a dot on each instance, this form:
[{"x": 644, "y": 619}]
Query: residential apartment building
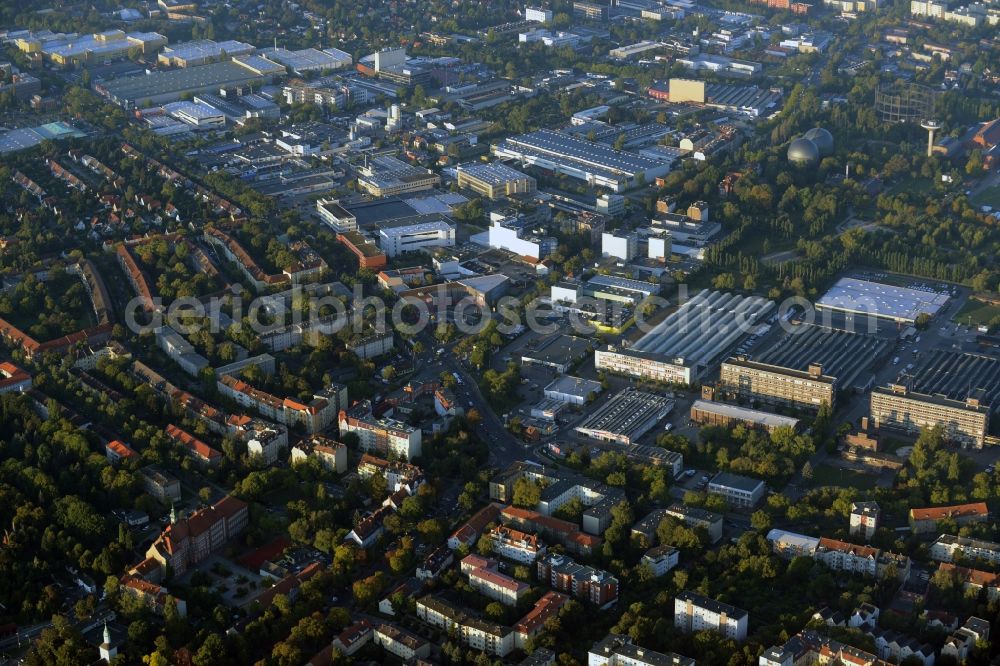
[
  {"x": 693, "y": 516},
  {"x": 485, "y": 578},
  {"x": 751, "y": 381},
  {"x": 165, "y": 487},
  {"x": 516, "y": 545},
  {"x": 196, "y": 449},
  {"x": 583, "y": 582},
  {"x": 739, "y": 491},
  {"x": 973, "y": 581},
  {"x": 620, "y": 650},
  {"x": 397, "y": 474},
  {"x": 116, "y": 452},
  {"x": 188, "y": 541},
  {"x": 926, "y": 519},
  {"x": 316, "y": 416},
  {"x": 469, "y": 531},
  {"x": 843, "y": 556},
  {"x": 401, "y": 643},
  {"x": 897, "y": 408},
  {"x": 694, "y": 612},
  {"x": 478, "y": 634},
  {"x": 13, "y": 379},
  {"x": 386, "y": 436},
  {"x": 950, "y": 548},
  {"x": 864, "y": 519},
  {"x": 661, "y": 559},
  {"x": 331, "y": 454}
]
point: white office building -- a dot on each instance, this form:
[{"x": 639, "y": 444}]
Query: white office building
[
  {"x": 739, "y": 491},
  {"x": 537, "y": 14},
  {"x": 504, "y": 236},
  {"x": 620, "y": 246},
  {"x": 694, "y": 612},
  {"x": 409, "y": 234}
]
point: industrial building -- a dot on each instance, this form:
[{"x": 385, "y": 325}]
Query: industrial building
[
  {"x": 408, "y": 234},
  {"x": 900, "y": 304},
  {"x": 597, "y": 164},
  {"x": 626, "y": 417},
  {"x": 849, "y": 357},
  {"x": 386, "y": 176},
  {"x": 957, "y": 376},
  {"x": 681, "y": 347},
  {"x": 749, "y": 100},
  {"x": 495, "y": 180},
  {"x": 75, "y": 49},
  {"x": 202, "y": 51},
  {"x": 558, "y": 352},
  {"x": 614, "y": 288},
  {"x": 572, "y": 390},
  {"x": 708, "y": 412},
  {"x": 751, "y": 381},
  {"x": 170, "y": 85},
  {"x": 896, "y": 407},
  {"x": 309, "y": 60}
]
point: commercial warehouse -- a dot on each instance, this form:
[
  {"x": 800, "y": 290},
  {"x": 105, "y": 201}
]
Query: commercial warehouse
[
  {"x": 900, "y": 304},
  {"x": 309, "y": 60},
  {"x": 171, "y": 85},
  {"x": 681, "y": 347},
  {"x": 202, "y": 51},
  {"x": 597, "y": 164},
  {"x": 847, "y": 356},
  {"x": 626, "y": 417}
]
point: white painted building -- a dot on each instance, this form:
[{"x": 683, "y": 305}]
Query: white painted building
[
  {"x": 414, "y": 233},
  {"x": 694, "y": 612},
  {"x": 620, "y": 246}
]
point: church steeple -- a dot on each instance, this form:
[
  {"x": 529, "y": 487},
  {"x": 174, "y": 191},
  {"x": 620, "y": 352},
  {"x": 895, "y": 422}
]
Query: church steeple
[
  {"x": 173, "y": 514},
  {"x": 107, "y": 634}
]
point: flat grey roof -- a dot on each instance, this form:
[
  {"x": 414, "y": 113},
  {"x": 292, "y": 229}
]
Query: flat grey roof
[
  {"x": 712, "y": 605},
  {"x": 137, "y": 88},
  {"x": 882, "y": 300},
  {"x": 745, "y": 414},
  {"x": 737, "y": 481}
]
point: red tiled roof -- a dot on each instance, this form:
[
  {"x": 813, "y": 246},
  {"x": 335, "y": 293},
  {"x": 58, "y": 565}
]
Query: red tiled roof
[
  {"x": 845, "y": 547},
  {"x": 956, "y": 511},
  {"x": 121, "y": 450}
]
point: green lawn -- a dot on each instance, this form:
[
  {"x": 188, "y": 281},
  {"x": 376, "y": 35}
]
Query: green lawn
[
  {"x": 828, "y": 475},
  {"x": 988, "y": 197},
  {"x": 977, "y": 312}
]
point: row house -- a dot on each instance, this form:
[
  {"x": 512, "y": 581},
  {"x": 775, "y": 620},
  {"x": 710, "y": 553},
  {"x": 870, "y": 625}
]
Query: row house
[
  {"x": 583, "y": 582},
  {"x": 485, "y": 578},
  {"x": 926, "y": 519},
  {"x": 66, "y": 176},
  {"x": 515, "y": 545},
  {"x": 33, "y": 188},
  {"x": 962, "y": 640},
  {"x": 188, "y": 541},
  {"x": 136, "y": 277},
  {"x": 101, "y": 169},
  {"x": 891, "y": 645}
]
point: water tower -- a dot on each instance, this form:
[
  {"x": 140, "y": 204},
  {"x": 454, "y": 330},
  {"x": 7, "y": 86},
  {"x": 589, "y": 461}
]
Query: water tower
[{"x": 931, "y": 126}]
